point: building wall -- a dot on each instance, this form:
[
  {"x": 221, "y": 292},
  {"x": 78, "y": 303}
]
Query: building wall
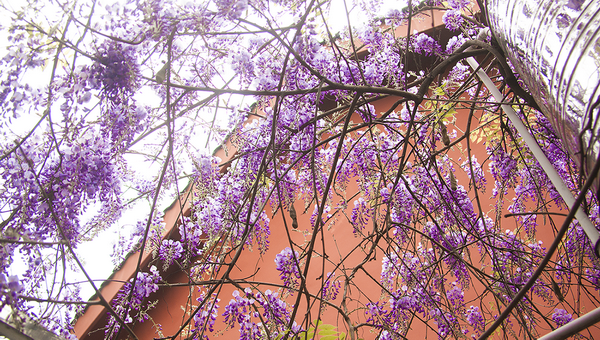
[{"x": 336, "y": 245}]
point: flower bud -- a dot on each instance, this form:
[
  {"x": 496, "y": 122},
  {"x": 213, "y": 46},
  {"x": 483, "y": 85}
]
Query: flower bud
[
  {"x": 444, "y": 133},
  {"x": 557, "y": 290},
  {"x": 293, "y": 216}
]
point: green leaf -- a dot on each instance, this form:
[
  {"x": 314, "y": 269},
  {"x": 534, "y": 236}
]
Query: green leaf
[
  {"x": 439, "y": 91},
  {"x": 310, "y": 333},
  {"x": 329, "y": 337},
  {"x": 328, "y": 332},
  {"x": 326, "y": 327}
]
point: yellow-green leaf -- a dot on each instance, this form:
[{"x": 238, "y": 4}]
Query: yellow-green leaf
[
  {"x": 325, "y": 327},
  {"x": 439, "y": 91},
  {"x": 329, "y": 337},
  {"x": 327, "y": 332}
]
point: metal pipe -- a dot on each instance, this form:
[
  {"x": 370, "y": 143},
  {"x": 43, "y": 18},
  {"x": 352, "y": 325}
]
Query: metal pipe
[
  {"x": 574, "y": 326},
  {"x": 558, "y": 183},
  {"x": 12, "y": 333}
]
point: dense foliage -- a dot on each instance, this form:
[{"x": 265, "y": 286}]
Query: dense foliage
[{"x": 91, "y": 90}]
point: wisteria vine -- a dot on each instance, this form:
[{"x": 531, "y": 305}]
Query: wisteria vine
[{"x": 379, "y": 189}]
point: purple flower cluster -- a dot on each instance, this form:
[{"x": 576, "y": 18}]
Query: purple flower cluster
[
  {"x": 191, "y": 235},
  {"x": 146, "y": 284},
  {"x": 59, "y": 185},
  {"x": 206, "y": 316},
  {"x": 477, "y": 175},
  {"x": 503, "y": 166},
  {"x": 475, "y": 319},
  {"x": 308, "y": 46},
  {"x": 331, "y": 287},
  {"x": 239, "y": 311},
  {"x": 243, "y": 310},
  {"x": 389, "y": 270},
  {"x": 458, "y": 4},
  {"x": 395, "y": 319},
  {"x": 132, "y": 300},
  {"x": 404, "y": 300},
  {"x": 116, "y": 71},
  {"x": 561, "y": 317},
  {"x": 452, "y": 19},
  {"x": 447, "y": 323},
  {"x": 17, "y": 94},
  {"x": 456, "y": 296},
  {"x": 170, "y": 251},
  {"x": 151, "y": 15},
  {"x": 116, "y": 74},
  {"x": 361, "y": 213},
  {"x": 9, "y": 290},
  {"x": 367, "y": 112},
  {"x": 242, "y": 64},
  {"x": 232, "y": 9},
  {"x": 385, "y": 335},
  {"x": 274, "y": 309},
  {"x": 424, "y": 44},
  {"x": 454, "y": 43},
  {"x": 210, "y": 213},
  {"x": 287, "y": 264}
]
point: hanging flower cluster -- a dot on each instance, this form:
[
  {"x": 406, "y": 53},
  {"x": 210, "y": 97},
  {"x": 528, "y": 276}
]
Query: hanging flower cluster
[
  {"x": 131, "y": 301},
  {"x": 243, "y": 309},
  {"x": 116, "y": 74},
  {"x": 288, "y": 266}
]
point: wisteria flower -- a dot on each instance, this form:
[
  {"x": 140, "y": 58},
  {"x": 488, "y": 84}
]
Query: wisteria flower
[
  {"x": 561, "y": 317},
  {"x": 454, "y": 43},
  {"x": 424, "y": 44},
  {"x": 170, "y": 251},
  {"x": 452, "y": 19},
  {"x": 475, "y": 318},
  {"x": 233, "y": 9},
  {"x": 287, "y": 265},
  {"x": 331, "y": 287},
  {"x": 209, "y": 310},
  {"x": 458, "y": 4},
  {"x": 133, "y": 299}
]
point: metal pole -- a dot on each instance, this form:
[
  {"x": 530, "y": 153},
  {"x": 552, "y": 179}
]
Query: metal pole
[
  {"x": 553, "y": 46},
  {"x": 12, "y": 333},
  {"x": 558, "y": 183},
  {"x": 574, "y": 326}
]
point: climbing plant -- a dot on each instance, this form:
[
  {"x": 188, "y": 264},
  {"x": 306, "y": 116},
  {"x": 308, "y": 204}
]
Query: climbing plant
[{"x": 327, "y": 119}]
